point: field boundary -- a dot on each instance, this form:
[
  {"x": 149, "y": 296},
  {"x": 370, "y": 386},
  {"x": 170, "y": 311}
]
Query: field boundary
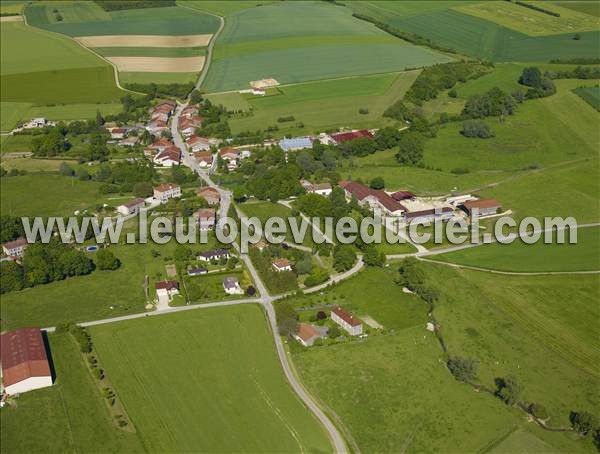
[{"x": 510, "y": 273}]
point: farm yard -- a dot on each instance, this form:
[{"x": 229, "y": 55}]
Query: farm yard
[
  {"x": 336, "y": 43},
  {"x": 231, "y": 377}
]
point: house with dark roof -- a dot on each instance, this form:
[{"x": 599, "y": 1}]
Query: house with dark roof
[
  {"x": 347, "y": 321},
  {"x": 231, "y": 285},
  {"x": 24, "y": 361},
  {"x": 215, "y": 254},
  {"x": 198, "y": 271}
]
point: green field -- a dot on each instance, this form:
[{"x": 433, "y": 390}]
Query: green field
[
  {"x": 71, "y": 416},
  {"x": 591, "y": 95},
  {"x": 474, "y": 36},
  {"x": 322, "y": 105},
  {"x": 172, "y": 52},
  {"x": 156, "y": 78},
  {"x": 540, "y": 328},
  {"x": 592, "y": 8},
  {"x": 203, "y": 289},
  {"x": 11, "y": 113},
  {"x": 531, "y": 22},
  {"x": 223, "y": 7},
  {"x": 538, "y": 257},
  {"x": 276, "y": 41},
  {"x": 88, "y": 19},
  {"x": 217, "y": 369}
]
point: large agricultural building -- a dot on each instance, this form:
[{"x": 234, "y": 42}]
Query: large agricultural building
[{"x": 24, "y": 362}]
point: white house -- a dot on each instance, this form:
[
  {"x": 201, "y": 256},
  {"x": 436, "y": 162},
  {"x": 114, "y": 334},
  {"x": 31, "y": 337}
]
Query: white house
[
  {"x": 15, "y": 248},
  {"x": 24, "y": 361},
  {"x": 323, "y": 189},
  {"x": 169, "y": 157},
  {"x": 166, "y": 289},
  {"x": 132, "y": 207},
  {"x": 231, "y": 285},
  {"x": 216, "y": 254},
  {"x": 165, "y": 191},
  {"x": 347, "y": 321},
  {"x": 281, "y": 264},
  {"x": 117, "y": 133}
]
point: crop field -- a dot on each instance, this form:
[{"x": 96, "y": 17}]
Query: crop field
[
  {"x": 11, "y": 7},
  {"x": 470, "y": 35},
  {"x": 218, "y": 368},
  {"x": 538, "y": 257},
  {"x": 71, "y": 416},
  {"x": 88, "y": 19},
  {"x": 591, "y": 95},
  {"x": 173, "y": 52},
  {"x": 531, "y": 22},
  {"x": 276, "y": 41},
  {"x": 156, "y": 78},
  {"x": 11, "y": 113},
  {"x": 592, "y": 8},
  {"x": 540, "y": 328},
  {"x": 223, "y": 7},
  {"x": 322, "y": 105}
]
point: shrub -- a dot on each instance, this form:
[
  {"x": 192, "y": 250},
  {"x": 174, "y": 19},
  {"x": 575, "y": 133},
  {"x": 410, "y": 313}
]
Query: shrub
[
  {"x": 538, "y": 410},
  {"x": 477, "y": 128},
  {"x": 463, "y": 369},
  {"x": 582, "y": 422},
  {"x": 363, "y": 111}
]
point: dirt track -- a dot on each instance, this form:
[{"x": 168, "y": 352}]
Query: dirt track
[
  {"x": 145, "y": 41},
  {"x": 11, "y": 18},
  {"x": 158, "y": 64}
]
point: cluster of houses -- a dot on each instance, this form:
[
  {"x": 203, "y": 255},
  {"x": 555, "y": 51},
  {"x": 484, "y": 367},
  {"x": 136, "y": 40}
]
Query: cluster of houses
[
  {"x": 34, "y": 123},
  {"x": 307, "y": 334}
]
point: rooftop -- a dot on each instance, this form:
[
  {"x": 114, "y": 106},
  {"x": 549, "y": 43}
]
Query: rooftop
[
  {"x": 346, "y": 316},
  {"x": 23, "y": 355}
]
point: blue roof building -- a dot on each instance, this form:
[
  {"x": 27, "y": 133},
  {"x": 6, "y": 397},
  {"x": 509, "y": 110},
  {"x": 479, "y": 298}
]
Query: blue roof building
[{"x": 295, "y": 143}]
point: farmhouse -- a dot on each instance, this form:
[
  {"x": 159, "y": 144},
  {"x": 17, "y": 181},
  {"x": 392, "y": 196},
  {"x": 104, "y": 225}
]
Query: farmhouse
[
  {"x": 204, "y": 159},
  {"x": 281, "y": 264},
  {"x": 16, "y": 248},
  {"x": 196, "y": 271},
  {"x": 132, "y": 207},
  {"x": 188, "y": 125},
  {"x": 157, "y": 126},
  {"x": 258, "y": 91},
  {"x": 347, "y": 321},
  {"x": 374, "y": 198},
  {"x": 231, "y": 285},
  {"x": 129, "y": 141},
  {"x": 117, "y": 133},
  {"x": 296, "y": 143},
  {"x": 347, "y": 136},
  {"x": 216, "y": 254},
  {"x": 161, "y": 144},
  {"x": 210, "y": 194},
  {"x": 323, "y": 189},
  {"x": 399, "y": 196},
  {"x": 24, "y": 361},
  {"x": 165, "y": 191},
  {"x": 197, "y": 143},
  {"x": 231, "y": 156},
  {"x": 206, "y": 218},
  {"x": 169, "y": 157},
  {"x": 485, "y": 207},
  {"x": 166, "y": 289},
  {"x": 306, "y": 334},
  {"x": 162, "y": 111}
]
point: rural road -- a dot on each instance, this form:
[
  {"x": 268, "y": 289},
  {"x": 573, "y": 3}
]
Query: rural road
[{"x": 209, "y": 50}]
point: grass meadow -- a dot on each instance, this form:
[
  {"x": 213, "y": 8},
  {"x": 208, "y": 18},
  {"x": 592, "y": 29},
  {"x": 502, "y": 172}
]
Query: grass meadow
[
  {"x": 276, "y": 41},
  {"x": 216, "y": 368},
  {"x": 537, "y": 257},
  {"x": 538, "y": 328},
  {"x": 322, "y": 105},
  {"x": 71, "y": 416},
  {"x": 591, "y": 95}
]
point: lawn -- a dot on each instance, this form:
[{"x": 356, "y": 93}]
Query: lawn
[
  {"x": 470, "y": 35},
  {"x": 219, "y": 386},
  {"x": 522, "y": 257},
  {"x": 323, "y": 105},
  {"x": 531, "y": 22},
  {"x": 276, "y": 41},
  {"x": 543, "y": 329},
  {"x": 47, "y": 195},
  {"x": 74, "y": 111},
  {"x": 203, "y": 289},
  {"x": 591, "y": 95},
  {"x": 173, "y": 20},
  {"x": 71, "y": 416}
]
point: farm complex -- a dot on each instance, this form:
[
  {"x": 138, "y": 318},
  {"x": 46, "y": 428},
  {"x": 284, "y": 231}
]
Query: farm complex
[{"x": 300, "y": 226}]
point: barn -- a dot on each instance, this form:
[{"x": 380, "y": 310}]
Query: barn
[{"x": 23, "y": 361}]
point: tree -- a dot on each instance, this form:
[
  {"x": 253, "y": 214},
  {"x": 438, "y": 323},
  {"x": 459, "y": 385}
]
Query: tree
[
  {"x": 477, "y": 128},
  {"x": 373, "y": 257},
  {"x": 531, "y": 76},
  {"x": 387, "y": 138},
  {"x": 577, "y": 36},
  {"x": 334, "y": 332},
  {"x": 304, "y": 266},
  {"x": 410, "y": 149},
  {"x": 75, "y": 263},
  {"x": 582, "y": 421},
  {"x": 99, "y": 119},
  {"x": 65, "y": 170},
  {"x": 287, "y": 319},
  {"x": 377, "y": 183},
  {"x": 196, "y": 97},
  {"x": 11, "y": 228},
  {"x": 82, "y": 174},
  {"x": 344, "y": 257},
  {"x": 509, "y": 389},
  {"x": 11, "y": 277},
  {"x": 538, "y": 410},
  {"x": 106, "y": 260},
  {"x": 250, "y": 291},
  {"x": 143, "y": 189},
  {"x": 463, "y": 369},
  {"x": 178, "y": 175}
]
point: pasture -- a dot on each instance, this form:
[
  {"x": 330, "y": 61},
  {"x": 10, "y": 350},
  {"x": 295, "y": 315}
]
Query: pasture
[
  {"x": 592, "y": 8},
  {"x": 470, "y": 35},
  {"x": 537, "y": 257},
  {"x": 11, "y": 113},
  {"x": 322, "y": 105},
  {"x": 276, "y": 41},
  {"x": 539, "y": 328},
  {"x": 217, "y": 369},
  {"x": 71, "y": 416},
  {"x": 532, "y": 22},
  {"x": 223, "y": 7}
]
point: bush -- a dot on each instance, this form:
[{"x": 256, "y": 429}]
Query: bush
[
  {"x": 106, "y": 260},
  {"x": 463, "y": 369},
  {"x": 477, "y": 128},
  {"x": 363, "y": 111},
  {"x": 334, "y": 332},
  {"x": 582, "y": 422},
  {"x": 286, "y": 119},
  {"x": 538, "y": 410}
]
